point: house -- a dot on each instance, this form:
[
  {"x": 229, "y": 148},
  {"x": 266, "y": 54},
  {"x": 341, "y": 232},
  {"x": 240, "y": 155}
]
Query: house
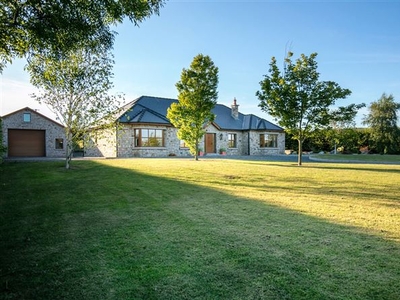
[
  {"x": 143, "y": 130},
  {"x": 27, "y": 133}
]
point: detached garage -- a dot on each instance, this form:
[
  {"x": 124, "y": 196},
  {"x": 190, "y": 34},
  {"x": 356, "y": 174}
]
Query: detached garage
[
  {"x": 27, "y": 133},
  {"x": 26, "y": 142}
]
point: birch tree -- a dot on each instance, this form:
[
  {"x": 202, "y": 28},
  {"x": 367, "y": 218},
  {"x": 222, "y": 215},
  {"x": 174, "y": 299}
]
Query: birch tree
[{"x": 76, "y": 89}]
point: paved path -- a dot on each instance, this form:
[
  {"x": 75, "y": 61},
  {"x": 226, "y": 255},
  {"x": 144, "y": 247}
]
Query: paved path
[
  {"x": 281, "y": 158},
  {"x": 278, "y": 158}
]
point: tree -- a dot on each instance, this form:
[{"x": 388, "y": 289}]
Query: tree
[
  {"x": 197, "y": 97},
  {"x": 58, "y": 27},
  {"x": 296, "y": 97},
  {"x": 76, "y": 89},
  {"x": 382, "y": 119},
  {"x": 350, "y": 140},
  {"x": 342, "y": 123}
]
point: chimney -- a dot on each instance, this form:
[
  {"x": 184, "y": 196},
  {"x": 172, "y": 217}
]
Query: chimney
[{"x": 235, "y": 109}]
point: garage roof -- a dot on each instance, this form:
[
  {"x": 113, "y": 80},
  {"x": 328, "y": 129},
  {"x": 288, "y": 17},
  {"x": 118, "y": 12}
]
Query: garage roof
[{"x": 33, "y": 111}]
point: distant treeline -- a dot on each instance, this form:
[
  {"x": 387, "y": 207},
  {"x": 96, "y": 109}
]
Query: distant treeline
[{"x": 347, "y": 141}]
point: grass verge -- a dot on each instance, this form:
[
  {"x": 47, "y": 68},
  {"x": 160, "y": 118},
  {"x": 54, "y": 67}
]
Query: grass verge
[
  {"x": 213, "y": 229},
  {"x": 367, "y": 158}
]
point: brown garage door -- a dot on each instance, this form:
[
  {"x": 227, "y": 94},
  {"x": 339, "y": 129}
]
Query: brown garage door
[{"x": 26, "y": 142}]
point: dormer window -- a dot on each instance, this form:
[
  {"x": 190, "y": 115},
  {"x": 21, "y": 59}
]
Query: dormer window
[{"x": 27, "y": 117}]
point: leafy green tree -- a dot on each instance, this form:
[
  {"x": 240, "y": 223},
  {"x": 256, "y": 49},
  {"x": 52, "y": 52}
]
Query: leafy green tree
[
  {"x": 318, "y": 141},
  {"x": 364, "y": 139},
  {"x": 197, "y": 97},
  {"x": 342, "y": 125},
  {"x": 349, "y": 139},
  {"x": 76, "y": 90},
  {"x": 382, "y": 119},
  {"x": 41, "y": 26},
  {"x": 296, "y": 97}
]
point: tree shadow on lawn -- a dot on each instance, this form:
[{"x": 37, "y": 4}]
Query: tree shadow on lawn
[{"x": 100, "y": 232}]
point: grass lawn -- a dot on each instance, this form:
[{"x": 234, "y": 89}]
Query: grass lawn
[
  {"x": 213, "y": 229},
  {"x": 377, "y": 158}
]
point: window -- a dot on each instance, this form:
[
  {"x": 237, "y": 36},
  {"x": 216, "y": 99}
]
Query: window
[
  {"x": 232, "y": 140},
  {"x": 268, "y": 140},
  {"x": 149, "y": 138},
  {"x": 182, "y": 144},
  {"x": 59, "y": 143},
  {"x": 27, "y": 117}
]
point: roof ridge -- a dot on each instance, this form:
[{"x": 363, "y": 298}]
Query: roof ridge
[
  {"x": 140, "y": 115},
  {"x": 120, "y": 112},
  {"x": 265, "y": 120},
  {"x": 153, "y": 112},
  {"x": 161, "y": 98}
]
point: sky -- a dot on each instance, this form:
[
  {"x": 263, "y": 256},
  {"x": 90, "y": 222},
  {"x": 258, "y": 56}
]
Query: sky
[{"x": 358, "y": 46}]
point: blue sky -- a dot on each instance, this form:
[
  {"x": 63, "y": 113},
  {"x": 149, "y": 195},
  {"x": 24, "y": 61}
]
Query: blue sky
[{"x": 358, "y": 46}]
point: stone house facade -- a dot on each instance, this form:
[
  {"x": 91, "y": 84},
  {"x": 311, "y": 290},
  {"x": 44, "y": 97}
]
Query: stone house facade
[
  {"x": 27, "y": 133},
  {"x": 143, "y": 130}
]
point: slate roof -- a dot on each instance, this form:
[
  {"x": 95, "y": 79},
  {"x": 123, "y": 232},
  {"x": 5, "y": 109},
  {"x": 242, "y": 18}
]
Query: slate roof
[{"x": 153, "y": 110}]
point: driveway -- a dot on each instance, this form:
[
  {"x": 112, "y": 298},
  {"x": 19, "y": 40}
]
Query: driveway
[{"x": 279, "y": 158}]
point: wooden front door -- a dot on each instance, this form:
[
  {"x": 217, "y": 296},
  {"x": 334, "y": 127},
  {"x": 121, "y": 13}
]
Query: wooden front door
[{"x": 210, "y": 143}]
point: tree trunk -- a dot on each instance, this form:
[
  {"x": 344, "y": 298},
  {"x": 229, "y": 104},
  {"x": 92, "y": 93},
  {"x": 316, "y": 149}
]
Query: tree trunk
[
  {"x": 69, "y": 149},
  {"x": 300, "y": 154},
  {"x": 196, "y": 155},
  {"x": 67, "y": 165},
  {"x": 68, "y": 156}
]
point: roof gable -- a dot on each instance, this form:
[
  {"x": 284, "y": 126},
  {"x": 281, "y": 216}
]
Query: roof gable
[
  {"x": 147, "y": 109},
  {"x": 34, "y": 112}
]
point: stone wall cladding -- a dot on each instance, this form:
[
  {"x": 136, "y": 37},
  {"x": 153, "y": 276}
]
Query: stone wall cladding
[
  {"x": 52, "y": 130},
  {"x": 101, "y": 143},
  {"x": 255, "y": 143},
  {"x": 222, "y": 141},
  {"x": 247, "y": 143},
  {"x": 126, "y": 143}
]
